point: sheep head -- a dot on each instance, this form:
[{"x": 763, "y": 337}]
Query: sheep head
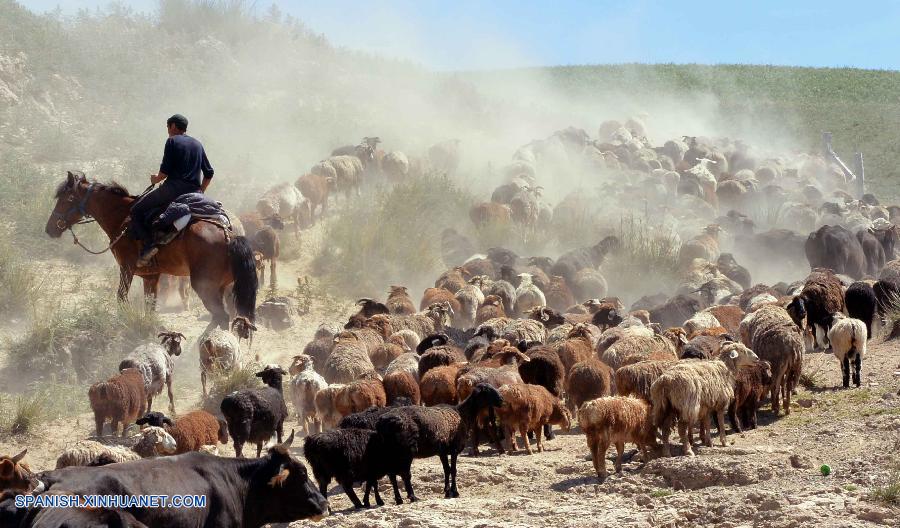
[
  {"x": 171, "y": 341},
  {"x": 154, "y": 419},
  {"x": 381, "y": 324},
  {"x": 162, "y": 441},
  {"x": 561, "y": 416},
  {"x": 548, "y": 316},
  {"x": 271, "y": 375},
  {"x": 736, "y": 355},
  {"x": 441, "y": 313},
  {"x": 299, "y": 363},
  {"x": 511, "y": 355}
]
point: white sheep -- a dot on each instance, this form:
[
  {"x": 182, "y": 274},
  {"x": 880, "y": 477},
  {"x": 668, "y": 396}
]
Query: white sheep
[
  {"x": 305, "y": 383},
  {"x": 156, "y": 365},
  {"x": 151, "y": 441},
  {"x": 700, "y": 321},
  {"x": 528, "y": 295},
  {"x": 219, "y": 350},
  {"x": 848, "y": 341}
]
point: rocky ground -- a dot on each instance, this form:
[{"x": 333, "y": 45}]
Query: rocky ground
[{"x": 767, "y": 477}]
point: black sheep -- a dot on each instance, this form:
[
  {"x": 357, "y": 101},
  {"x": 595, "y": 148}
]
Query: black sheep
[
  {"x": 347, "y": 456},
  {"x": 253, "y": 415},
  {"x": 422, "y": 432},
  {"x": 861, "y": 303},
  {"x": 544, "y": 369}
]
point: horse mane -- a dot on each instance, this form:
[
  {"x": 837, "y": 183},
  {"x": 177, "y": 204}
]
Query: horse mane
[{"x": 112, "y": 186}]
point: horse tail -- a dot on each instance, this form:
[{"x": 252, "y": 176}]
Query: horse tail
[{"x": 243, "y": 269}]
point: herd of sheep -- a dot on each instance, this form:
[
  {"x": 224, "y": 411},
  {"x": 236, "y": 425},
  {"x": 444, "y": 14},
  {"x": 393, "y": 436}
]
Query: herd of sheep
[{"x": 504, "y": 347}]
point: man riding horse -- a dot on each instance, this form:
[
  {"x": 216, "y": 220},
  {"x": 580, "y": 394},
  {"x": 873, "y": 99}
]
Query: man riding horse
[{"x": 183, "y": 162}]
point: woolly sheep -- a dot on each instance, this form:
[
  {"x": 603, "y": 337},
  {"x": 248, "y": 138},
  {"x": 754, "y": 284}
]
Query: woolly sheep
[
  {"x": 326, "y": 410},
  {"x": 615, "y": 420},
  {"x": 438, "y": 385},
  {"x": 587, "y": 380},
  {"x": 156, "y": 365},
  {"x": 347, "y": 455},
  {"x": 305, "y": 383},
  {"x": 848, "y": 341},
  {"x": 400, "y": 384},
  {"x": 121, "y": 399},
  {"x": 751, "y": 384},
  {"x": 421, "y": 432},
  {"x": 220, "y": 350},
  {"x": 254, "y": 415},
  {"x": 774, "y": 337},
  {"x": 348, "y": 360},
  {"x": 470, "y": 298},
  {"x": 637, "y": 378},
  {"x": 691, "y": 390},
  {"x": 151, "y": 441},
  {"x": 528, "y": 295},
  {"x": 528, "y": 408},
  {"x": 399, "y": 302},
  {"x": 360, "y": 394},
  {"x": 191, "y": 431}
]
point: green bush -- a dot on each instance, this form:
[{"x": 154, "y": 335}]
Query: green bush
[{"x": 647, "y": 260}]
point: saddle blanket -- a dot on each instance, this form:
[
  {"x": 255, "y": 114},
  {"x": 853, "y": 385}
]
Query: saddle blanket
[{"x": 190, "y": 206}]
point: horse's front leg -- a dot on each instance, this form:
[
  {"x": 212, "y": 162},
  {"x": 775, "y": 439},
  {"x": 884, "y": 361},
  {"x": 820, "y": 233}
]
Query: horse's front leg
[
  {"x": 125, "y": 278},
  {"x": 151, "y": 289}
]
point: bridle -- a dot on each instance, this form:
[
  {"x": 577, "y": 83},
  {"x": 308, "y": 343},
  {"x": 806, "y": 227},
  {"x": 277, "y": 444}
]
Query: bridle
[{"x": 62, "y": 221}]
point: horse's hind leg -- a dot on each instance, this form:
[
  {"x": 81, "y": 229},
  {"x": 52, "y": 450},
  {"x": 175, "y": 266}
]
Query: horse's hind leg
[
  {"x": 151, "y": 290},
  {"x": 212, "y": 297}
]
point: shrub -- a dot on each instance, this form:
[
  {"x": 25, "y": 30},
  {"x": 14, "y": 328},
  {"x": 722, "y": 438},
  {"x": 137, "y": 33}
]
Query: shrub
[
  {"x": 19, "y": 285},
  {"x": 29, "y": 412},
  {"x": 392, "y": 236},
  {"x": 889, "y": 492},
  {"x": 647, "y": 260},
  {"x": 222, "y": 384}
]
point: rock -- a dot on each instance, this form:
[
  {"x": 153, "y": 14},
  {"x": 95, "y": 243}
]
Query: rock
[
  {"x": 800, "y": 461},
  {"x": 701, "y": 472},
  {"x": 769, "y": 505},
  {"x": 806, "y": 403},
  {"x": 887, "y": 396}
]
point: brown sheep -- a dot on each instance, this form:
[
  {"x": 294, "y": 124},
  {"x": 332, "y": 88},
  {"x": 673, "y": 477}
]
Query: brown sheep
[
  {"x": 388, "y": 351},
  {"x": 121, "y": 398},
  {"x": 544, "y": 369},
  {"x": 439, "y": 295},
  {"x": 192, "y": 431},
  {"x": 439, "y": 355},
  {"x": 452, "y": 280},
  {"x": 316, "y": 188},
  {"x": 480, "y": 266},
  {"x": 359, "y": 395},
  {"x": 704, "y": 246},
  {"x": 401, "y": 384},
  {"x": 326, "y": 409},
  {"x": 559, "y": 296},
  {"x": 751, "y": 384},
  {"x": 528, "y": 408},
  {"x": 399, "y": 302},
  {"x": 587, "y": 380},
  {"x": 576, "y": 347},
  {"x": 490, "y": 213},
  {"x": 729, "y": 316},
  {"x": 438, "y": 385},
  {"x": 774, "y": 337},
  {"x": 491, "y": 308},
  {"x": 615, "y": 420},
  {"x": 636, "y": 379},
  {"x": 632, "y": 349}
]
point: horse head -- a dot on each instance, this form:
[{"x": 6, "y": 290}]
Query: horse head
[{"x": 71, "y": 199}]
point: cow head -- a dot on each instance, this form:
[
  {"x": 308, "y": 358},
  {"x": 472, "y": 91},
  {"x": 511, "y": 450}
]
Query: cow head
[{"x": 280, "y": 490}]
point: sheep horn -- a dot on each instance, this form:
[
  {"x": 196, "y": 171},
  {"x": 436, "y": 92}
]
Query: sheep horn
[{"x": 20, "y": 456}]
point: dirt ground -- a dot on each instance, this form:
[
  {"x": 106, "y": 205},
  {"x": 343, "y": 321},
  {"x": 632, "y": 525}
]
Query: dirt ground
[{"x": 769, "y": 477}]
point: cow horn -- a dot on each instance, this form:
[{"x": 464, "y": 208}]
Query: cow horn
[
  {"x": 20, "y": 456},
  {"x": 290, "y": 440}
]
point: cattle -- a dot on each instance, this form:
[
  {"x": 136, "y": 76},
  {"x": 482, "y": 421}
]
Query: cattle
[
  {"x": 836, "y": 248},
  {"x": 250, "y": 493}
]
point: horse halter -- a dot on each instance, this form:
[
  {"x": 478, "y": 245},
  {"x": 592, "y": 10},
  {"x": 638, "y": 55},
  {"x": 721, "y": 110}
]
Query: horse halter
[{"x": 62, "y": 221}]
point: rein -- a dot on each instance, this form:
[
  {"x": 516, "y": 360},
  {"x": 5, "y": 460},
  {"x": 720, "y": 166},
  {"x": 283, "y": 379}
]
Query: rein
[{"x": 80, "y": 207}]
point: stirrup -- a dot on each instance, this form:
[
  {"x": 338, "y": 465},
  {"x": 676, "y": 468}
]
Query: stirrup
[{"x": 144, "y": 259}]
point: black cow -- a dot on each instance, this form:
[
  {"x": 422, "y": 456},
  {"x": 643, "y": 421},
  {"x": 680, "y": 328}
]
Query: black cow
[
  {"x": 873, "y": 250},
  {"x": 836, "y": 248},
  {"x": 239, "y": 492},
  {"x": 80, "y": 518}
]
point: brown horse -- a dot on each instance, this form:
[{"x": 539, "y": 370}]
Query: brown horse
[{"x": 212, "y": 258}]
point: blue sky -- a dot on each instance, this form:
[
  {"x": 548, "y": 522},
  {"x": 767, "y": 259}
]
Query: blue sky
[{"x": 466, "y": 34}]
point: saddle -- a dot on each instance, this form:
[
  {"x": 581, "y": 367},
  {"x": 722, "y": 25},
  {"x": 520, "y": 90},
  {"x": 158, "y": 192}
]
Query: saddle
[{"x": 169, "y": 222}]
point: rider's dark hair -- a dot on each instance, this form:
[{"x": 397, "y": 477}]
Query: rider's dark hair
[{"x": 179, "y": 121}]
